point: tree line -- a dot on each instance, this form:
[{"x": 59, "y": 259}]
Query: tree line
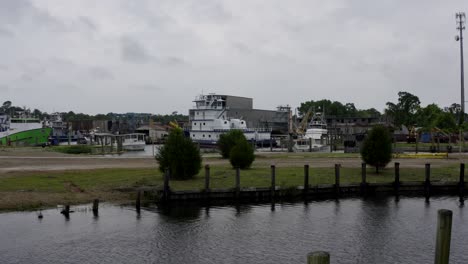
[{"x": 406, "y": 111}]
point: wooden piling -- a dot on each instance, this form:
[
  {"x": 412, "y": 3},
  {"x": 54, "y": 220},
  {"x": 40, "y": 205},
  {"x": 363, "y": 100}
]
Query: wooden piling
[
  {"x": 337, "y": 179},
  {"x": 444, "y": 233},
  {"x": 66, "y": 211},
  {"x": 95, "y": 206},
  {"x": 363, "y": 179},
  {"x": 207, "y": 178},
  {"x": 461, "y": 182},
  {"x": 427, "y": 181},
  {"x": 237, "y": 182},
  {"x": 167, "y": 189},
  {"x": 306, "y": 180},
  {"x": 396, "y": 183},
  {"x": 273, "y": 182},
  {"x": 138, "y": 201},
  {"x": 318, "y": 257}
]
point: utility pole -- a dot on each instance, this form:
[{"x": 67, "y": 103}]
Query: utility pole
[{"x": 460, "y": 17}]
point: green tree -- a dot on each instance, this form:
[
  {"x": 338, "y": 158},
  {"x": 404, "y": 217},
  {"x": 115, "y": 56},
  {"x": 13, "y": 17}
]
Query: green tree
[
  {"x": 180, "y": 155},
  {"x": 228, "y": 140},
  {"x": 377, "y": 148},
  {"x": 404, "y": 112},
  {"x": 242, "y": 154}
]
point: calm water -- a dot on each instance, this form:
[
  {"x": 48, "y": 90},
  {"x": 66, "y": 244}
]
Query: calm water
[{"x": 353, "y": 230}]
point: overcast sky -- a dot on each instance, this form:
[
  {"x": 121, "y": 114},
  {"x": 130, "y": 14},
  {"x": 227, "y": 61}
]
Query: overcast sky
[{"x": 155, "y": 56}]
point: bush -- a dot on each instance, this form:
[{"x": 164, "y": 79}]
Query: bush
[
  {"x": 377, "y": 148},
  {"x": 74, "y": 149},
  {"x": 180, "y": 155},
  {"x": 227, "y": 141},
  {"x": 242, "y": 154}
]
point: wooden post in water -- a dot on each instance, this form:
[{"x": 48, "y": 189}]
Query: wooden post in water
[
  {"x": 337, "y": 180},
  {"x": 237, "y": 182},
  {"x": 95, "y": 207},
  {"x": 396, "y": 183},
  {"x": 306, "y": 180},
  {"x": 273, "y": 182},
  {"x": 207, "y": 178},
  {"x": 318, "y": 257},
  {"x": 363, "y": 179},
  {"x": 461, "y": 183},
  {"x": 138, "y": 201},
  {"x": 444, "y": 233},
  {"x": 167, "y": 189},
  {"x": 427, "y": 181},
  {"x": 66, "y": 211}
]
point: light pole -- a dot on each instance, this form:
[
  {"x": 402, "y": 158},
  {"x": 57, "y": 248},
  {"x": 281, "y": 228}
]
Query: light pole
[{"x": 460, "y": 17}]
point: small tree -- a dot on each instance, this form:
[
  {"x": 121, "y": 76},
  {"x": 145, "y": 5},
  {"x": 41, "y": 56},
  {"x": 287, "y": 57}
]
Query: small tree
[
  {"x": 227, "y": 141},
  {"x": 180, "y": 155},
  {"x": 377, "y": 148},
  {"x": 242, "y": 154}
]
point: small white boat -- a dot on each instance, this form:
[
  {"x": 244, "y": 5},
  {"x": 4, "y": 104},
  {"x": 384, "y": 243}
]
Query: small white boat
[{"x": 134, "y": 141}]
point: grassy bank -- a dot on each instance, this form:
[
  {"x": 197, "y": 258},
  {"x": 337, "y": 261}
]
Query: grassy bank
[{"x": 27, "y": 190}]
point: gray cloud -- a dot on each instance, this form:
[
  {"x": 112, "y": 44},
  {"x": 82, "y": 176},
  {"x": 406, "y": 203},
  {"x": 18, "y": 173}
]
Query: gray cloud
[
  {"x": 100, "y": 73},
  {"x": 133, "y": 51},
  {"x": 6, "y": 33},
  {"x": 146, "y": 87},
  {"x": 302, "y": 50}
]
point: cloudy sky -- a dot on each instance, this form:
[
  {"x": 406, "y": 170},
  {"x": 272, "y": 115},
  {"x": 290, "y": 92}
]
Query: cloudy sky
[{"x": 155, "y": 56}]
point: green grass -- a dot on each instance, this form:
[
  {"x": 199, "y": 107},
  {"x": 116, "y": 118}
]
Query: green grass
[{"x": 221, "y": 177}]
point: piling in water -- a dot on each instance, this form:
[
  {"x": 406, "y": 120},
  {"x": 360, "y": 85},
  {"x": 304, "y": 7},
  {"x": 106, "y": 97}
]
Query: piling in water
[
  {"x": 95, "y": 207},
  {"x": 461, "y": 183},
  {"x": 306, "y": 180},
  {"x": 363, "y": 179},
  {"x": 138, "y": 201},
  {"x": 427, "y": 181},
  {"x": 237, "y": 182},
  {"x": 444, "y": 233},
  {"x": 337, "y": 180},
  {"x": 273, "y": 182},
  {"x": 318, "y": 257},
  {"x": 207, "y": 178},
  {"x": 396, "y": 183},
  {"x": 166, "y": 188}
]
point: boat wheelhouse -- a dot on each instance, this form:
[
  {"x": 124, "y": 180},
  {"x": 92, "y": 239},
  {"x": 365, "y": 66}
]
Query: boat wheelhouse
[{"x": 209, "y": 120}]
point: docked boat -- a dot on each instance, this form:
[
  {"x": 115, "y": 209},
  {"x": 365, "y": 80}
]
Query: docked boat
[
  {"x": 134, "y": 141},
  {"x": 316, "y": 135},
  {"x": 23, "y": 130},
  {"x": 209, "y": 120}
]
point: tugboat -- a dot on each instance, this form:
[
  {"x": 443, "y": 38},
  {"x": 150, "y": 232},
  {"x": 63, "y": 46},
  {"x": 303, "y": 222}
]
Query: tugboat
[{"x": 209, "y": 120}]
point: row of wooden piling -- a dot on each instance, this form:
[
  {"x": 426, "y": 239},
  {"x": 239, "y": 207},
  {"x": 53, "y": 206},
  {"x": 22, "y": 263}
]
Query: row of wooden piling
[
  {"x": 336, "y": 186},
  {"x": 442, "y": 249}
]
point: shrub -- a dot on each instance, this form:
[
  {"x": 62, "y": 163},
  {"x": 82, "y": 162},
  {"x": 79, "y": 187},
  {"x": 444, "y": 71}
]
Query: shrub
[
  {"x": 227, "y": 141},
  {"x": 180, "y": 155},
  {"x": 242, "y": 154},
  {"x": 377, "y": 148}
]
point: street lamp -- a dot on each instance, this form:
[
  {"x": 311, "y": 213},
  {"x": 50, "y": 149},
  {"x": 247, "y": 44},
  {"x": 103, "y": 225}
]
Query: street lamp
[{"x": 461, "y": 18}]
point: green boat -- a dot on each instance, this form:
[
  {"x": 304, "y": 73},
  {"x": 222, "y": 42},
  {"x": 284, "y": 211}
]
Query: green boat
[{"x": 23, "y": 131}]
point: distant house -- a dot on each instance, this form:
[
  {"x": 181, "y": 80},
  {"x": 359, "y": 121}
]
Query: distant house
[{"x": 155, "y": 132}]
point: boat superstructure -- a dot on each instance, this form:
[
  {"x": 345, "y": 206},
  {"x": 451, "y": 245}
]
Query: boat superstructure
[
  {"x": 209, "y": 120},
  {"x": 316, "y": 135},
  {"x": 23, "y": 130},
  {"x": 134, "y": 141}
]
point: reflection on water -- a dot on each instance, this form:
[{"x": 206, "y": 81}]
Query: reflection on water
[{"x": 383, "y": 230}]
